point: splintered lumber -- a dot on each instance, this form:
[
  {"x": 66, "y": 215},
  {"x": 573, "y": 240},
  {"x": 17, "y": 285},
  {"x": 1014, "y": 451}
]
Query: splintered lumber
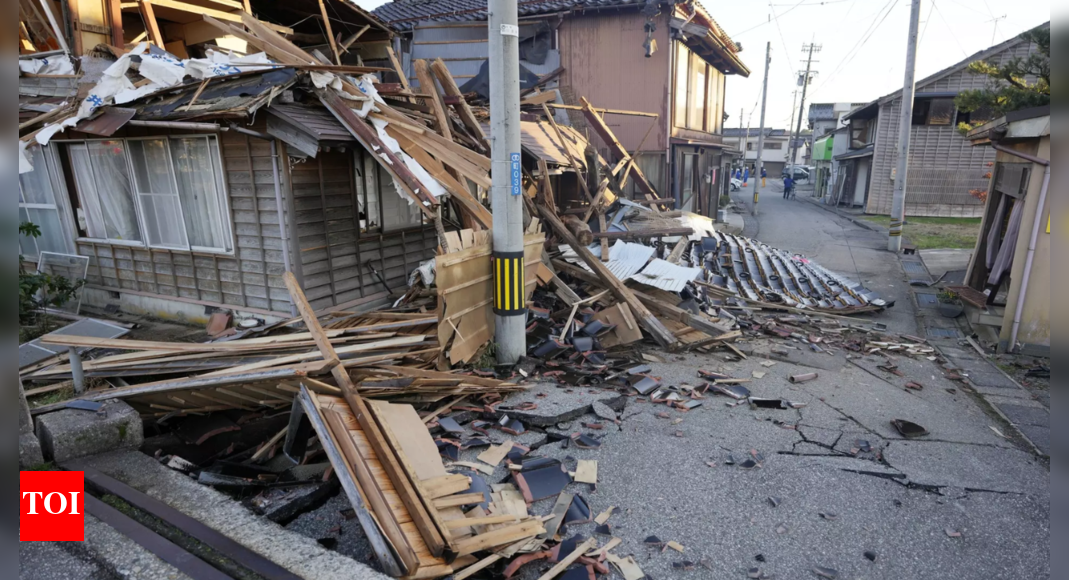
[
  {"x": 459, "y": 500},
  {"x": 657, "y": 330},
  {"x": 451, "y": 89},
  {"x": 427, "y": 87},
  {"x": 568, "y": 153},
  {"x": 499, "y": 537},
  {"x": 310, "y": 405},
  {"x": 481, "y": 521},
  {"x": 417, "y": 511},
  {"x": 478, "y": 566},
  {"x": 563, "y": 563},
  {"x": 372, "y": 493},
  {"x": 606, "y": 134},
  {"x": 446, "y": 485},
  {"x": 579, "y": 229},
  {"x": 644, "y": 233}
]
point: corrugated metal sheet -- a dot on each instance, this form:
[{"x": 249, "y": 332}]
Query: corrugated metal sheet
[
  {"x": 666, "y": 275},
  {"x": 625, "y": 258},
  {"x": 107, "y": 123},
  {"x": 317, "y": 121},
  {"x": 33, "y": 351}
]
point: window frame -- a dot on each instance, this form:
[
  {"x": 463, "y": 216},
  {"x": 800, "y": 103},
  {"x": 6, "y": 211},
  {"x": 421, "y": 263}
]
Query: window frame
[
  {"x": 925, "y": 104},
  {"x": 46, "y": 164},
  {"x": 218, "y": 174}
]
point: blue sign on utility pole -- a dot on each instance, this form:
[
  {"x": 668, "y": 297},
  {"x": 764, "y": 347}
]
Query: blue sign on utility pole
[{"x": 516, "y": 172}]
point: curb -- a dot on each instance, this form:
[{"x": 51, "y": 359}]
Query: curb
[
  {"x": 859, "y": 222},
  {"x": 1033, "y": 447}
]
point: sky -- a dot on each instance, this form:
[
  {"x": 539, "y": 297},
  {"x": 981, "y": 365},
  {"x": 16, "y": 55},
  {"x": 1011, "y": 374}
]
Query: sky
[{"x": 863, "y": 45}]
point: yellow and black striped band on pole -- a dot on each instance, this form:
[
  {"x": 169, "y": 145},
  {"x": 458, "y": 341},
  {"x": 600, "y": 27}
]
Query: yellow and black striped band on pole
[{"x": 508, "y": 284}]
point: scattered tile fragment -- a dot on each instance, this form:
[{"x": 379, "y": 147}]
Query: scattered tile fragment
[
  {"x": 684, "y": 565},
  {"x": 829, "y": 516},
  {"x": 870, "y": 556},
  {"x": 602, "y": 410},
  {"x": 782, "y": 529},
  {"x": 775, "y": 501},
  {"x": 653, "y": 541},
  {"x": 908, "y": 429},
  {"x": 823, "y": 572},
  {"x": 603, "y": 530},
  {"x": 952, "y": 533}
]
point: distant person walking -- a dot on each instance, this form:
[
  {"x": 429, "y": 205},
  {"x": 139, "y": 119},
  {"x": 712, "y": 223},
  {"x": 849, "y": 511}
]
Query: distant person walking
[
  {"x": 745, "y": 176},
  {"x": 764, "y": 175},
  {"x": 788, "y": 187}
]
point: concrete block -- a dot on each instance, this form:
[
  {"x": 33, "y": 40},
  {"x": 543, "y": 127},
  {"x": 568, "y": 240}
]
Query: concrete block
[
  {"x": 71, "y": 433},
  {"x": 29, "y": 451}
]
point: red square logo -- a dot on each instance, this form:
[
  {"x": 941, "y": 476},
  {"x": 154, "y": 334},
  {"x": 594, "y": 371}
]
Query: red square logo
[{"x": 53, "y": 506}]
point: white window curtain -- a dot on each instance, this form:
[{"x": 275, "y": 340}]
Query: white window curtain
[
  {"x": 37, "y": 205},
  {"x": 198, "y": 190},
  {"x": 161, "y": 209},
  {"x": 102, "y": 178}
]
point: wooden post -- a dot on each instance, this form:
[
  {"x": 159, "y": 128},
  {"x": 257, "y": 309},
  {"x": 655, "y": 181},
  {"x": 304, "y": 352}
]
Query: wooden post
[
  {"x": 449, "y": 85},
  {"x": 114, "y": 8}
]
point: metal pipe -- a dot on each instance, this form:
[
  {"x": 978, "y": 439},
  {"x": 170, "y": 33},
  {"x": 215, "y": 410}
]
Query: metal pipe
[
  {"x": 281, "y": 213},
  {"x": 251, "y": 133},
  {"x": 1032, "y": 158},
  {"x": 1023, "y": 292},
  {"x": 76, "y": 370},
  {"x": 177, "y": 125}
]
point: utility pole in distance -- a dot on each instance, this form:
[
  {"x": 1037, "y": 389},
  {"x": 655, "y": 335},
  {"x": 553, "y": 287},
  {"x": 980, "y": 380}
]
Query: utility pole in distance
[
  {"x": 510, "y": 309},
  {"x": 792, "y": 145},
  {"x": 898, "y": 202},
  {"x": 761, "y": 132}
]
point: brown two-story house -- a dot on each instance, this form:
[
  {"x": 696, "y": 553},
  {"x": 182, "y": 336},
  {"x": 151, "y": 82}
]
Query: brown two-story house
[{"x": 653, "y": 57}]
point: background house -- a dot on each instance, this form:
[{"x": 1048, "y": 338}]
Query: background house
[
  {"x": 777, "y": 151},
  {"x": 943, "y": 166},
  {"x": 662, "y": 58}
]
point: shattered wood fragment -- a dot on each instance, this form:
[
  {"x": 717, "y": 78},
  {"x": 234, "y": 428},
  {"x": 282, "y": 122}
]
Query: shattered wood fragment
[
  {"x": 495, "y": 454},
  {"x": 586, "y": 471}
]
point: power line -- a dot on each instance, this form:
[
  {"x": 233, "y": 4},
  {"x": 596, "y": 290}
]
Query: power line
[
  {"x": 950, "y": 29},
  {"x": 738, "y": 34},
  {"x": 869, "y": 32},
  {"x": 926, "y": 21},
  {"x": 781, "y": 39}
]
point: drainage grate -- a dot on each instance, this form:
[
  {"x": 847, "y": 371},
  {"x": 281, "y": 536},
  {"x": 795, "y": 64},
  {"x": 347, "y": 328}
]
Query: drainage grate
[
  {"x": 943, "y": 332},
  {"x": 918, "y": 274},
  {"x": 927, "y": 299}
]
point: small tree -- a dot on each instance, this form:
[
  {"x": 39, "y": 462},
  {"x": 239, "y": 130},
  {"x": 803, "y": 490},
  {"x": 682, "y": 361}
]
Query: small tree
[
  {"x": 1008, "y": 87},
  {"x": 39, "y": 290}
]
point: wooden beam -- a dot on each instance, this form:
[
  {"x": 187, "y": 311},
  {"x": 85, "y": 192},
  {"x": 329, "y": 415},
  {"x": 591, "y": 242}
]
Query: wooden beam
[
  {"x": 462, "y": 108},
  {"x": 433, "y": 166},
  {"x": 603, "y": 111},
  {"x": 645, "y": 233},
  {"x": 217, "y": 14},
  {"x": 568, "y": 154},
  {"x": 390, "y": 464},
  {"x": 330, "y": 32},
  {"x": 397, "y": 68},
  {"x": 662, "y": 335},
  {"x": 151, "y": 26},
  {"x": 427, "y": 86}
]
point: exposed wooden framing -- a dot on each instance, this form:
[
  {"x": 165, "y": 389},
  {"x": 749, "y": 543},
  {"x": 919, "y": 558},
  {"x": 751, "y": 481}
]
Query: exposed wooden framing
[
  {"x": 59, "y": 110},
  {"x": 662, "y": 335},
  {"x": 568, "y": 154},
  {"x": 354, "y": 37},
  {"x": 462, "y": 108},
  {"x": 330, "y": 32},
  {"x": 418, "y": 512},
  {"x": 459, "y": 192},
  {"x": 151, "y": 26},
  {"x": 599, "y": 126},
  {"x": 604, "y": 241},
  {"x": 427, "y": 86},
  {"x": 217, "y": 14},
  {"x": 499, "y": 537},
  {"x": 372, "y": 493}
]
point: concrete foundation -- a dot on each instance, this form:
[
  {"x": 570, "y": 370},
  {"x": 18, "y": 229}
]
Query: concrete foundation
[
  {"x": 72, "y": 433},
  {"x": 29, "y": 446}
]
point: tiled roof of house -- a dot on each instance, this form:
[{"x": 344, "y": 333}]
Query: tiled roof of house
[{"x": 405, "y": 14}]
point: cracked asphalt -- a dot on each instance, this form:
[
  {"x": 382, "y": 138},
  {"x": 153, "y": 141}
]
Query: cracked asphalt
[{"x": 962, "y": 502}]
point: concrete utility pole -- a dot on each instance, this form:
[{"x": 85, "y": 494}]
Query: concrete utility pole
[
  {"x": 745, "y": 136},
  {"x": 509, "y": 301},
  {"x": 791, "y": 146},
  {"x": 761, "y": 131},
  {"x": 905, "y": 122}
]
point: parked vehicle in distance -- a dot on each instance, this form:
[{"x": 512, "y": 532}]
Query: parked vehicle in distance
[
  {"x": 800, "y": 173},
  {"x": 736, "y": 184}
]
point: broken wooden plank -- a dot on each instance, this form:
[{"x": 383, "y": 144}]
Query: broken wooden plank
[
  {"x": 372, "y": 493},
  {"x": 602, "y": 129},
  {"x": 390, "y": 463},
  {"x": 644, "y": 233},
  {"x": 563, "y": 563},
  {"x": 428, "y": 87},
  {"x": 450, "y": 87},
  {"x": 459, "y": 500},
  {"x": 446, "y": 485},
  {"x": 499, "y": 537}
]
